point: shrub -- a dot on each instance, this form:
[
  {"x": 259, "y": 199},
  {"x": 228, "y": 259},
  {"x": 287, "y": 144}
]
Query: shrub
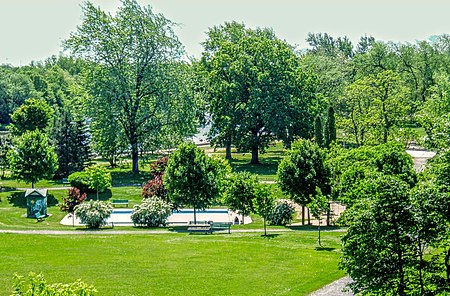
[
  {"x": 159, "y": 166},
  {"x": 282, "y": 214},
  {"x": 93, "y": 213},
  {"x": 155, "y": 187},
  {"x": 75, "y": 198},
  {"x": 38, "y": 286},
  {"x": 152, "y": 212},
  {"x": 80, "y": 180}
]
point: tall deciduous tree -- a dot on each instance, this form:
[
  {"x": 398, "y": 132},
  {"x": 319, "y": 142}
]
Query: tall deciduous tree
[
  {"x": 302, "y": 171},
  {"x": 32, "y": 158},
  {"x": 192, "y": 178},
  {"x": 134, "y": 70},
  {"x": 257, "y": 90}
]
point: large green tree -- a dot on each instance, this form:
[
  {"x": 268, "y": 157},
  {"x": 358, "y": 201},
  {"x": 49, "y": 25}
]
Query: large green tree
[
  {"x": 258, "y": 91},
  {"x": 34, "y": 114},
  {"x": 192, "y": 178},
  {"x": 32, "y": 158},
  {"x": 134, "y": 73},
  {"x": 302, "y": 171}
]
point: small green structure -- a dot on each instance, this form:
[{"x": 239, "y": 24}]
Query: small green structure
[{"x": 36, "y": 203}]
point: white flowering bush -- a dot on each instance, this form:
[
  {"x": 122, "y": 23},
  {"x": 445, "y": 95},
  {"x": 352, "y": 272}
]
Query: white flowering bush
[
  {"x": 36, "y": 285},
  {"x": 93, "y": 213},
  {"x": 152, "y": 212},
  {"x": 282, "y": 214}
]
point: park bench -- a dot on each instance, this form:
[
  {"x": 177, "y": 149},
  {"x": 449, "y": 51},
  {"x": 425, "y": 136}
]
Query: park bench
[
  {"x": 65, "y": 181},
  {"x": 120, "y": 202},
  {"x": 199, "y": 227},
  {"x": 221, "y": 226}
]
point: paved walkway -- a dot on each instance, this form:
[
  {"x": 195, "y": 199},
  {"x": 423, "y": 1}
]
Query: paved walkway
[{"x": 334, "y": 289}]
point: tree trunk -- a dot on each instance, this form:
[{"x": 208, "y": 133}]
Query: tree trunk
[
  {"x": 135, "y": 158},
  {"x": 228, "y": 150},
  {"x": 255, "y": 156},
  {"x": 243, "y": 215},
  {"x": 309, "y": 218},
  {"x": 265, "y": 228},
  {"x": 303, "y": 215},
  {"x": 195, "y": 217}
]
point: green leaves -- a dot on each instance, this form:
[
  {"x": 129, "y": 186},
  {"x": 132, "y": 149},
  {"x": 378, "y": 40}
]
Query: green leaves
[{"x": 32, "y": 158}]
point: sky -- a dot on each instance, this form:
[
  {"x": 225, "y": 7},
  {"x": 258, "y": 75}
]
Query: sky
[{"x": 33, "y": 30}]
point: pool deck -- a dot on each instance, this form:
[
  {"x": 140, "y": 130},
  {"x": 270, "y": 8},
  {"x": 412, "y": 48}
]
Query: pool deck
[{"x": 122, "y": 217}]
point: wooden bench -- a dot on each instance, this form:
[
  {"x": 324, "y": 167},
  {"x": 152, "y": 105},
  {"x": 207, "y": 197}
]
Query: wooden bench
[
  {"x": 120, "y": 202},
  {"x": 221, "y": 226},
  {"x": 206, "y": 228}
]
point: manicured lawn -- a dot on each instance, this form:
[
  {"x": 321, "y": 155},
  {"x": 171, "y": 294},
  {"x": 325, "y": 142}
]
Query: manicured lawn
[{"x": 176, "y": 264}]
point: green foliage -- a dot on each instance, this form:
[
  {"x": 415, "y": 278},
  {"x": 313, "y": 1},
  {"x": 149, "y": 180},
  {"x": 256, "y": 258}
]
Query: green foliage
[
  {"x": 257, "y": 90},
  {"x": 137, "y": 83},
  {"x": 93, "y": 213},
  {"x": 282, "y": 214},
  {"x": 318, "y": 132},
  {"x": 240, "y": 192},
  {"x": 36, "y": 285},
  {"x": 79, "y": 180},
  {"x": 34, "y": 114},
  {"x": 263, "y": 203},
  {"x": 378, "y": 250},
  {"x": 192, "y": 178},
  {"x": 303, "y": 170},
  {"x": 330, "y": 128},
  {"x": 99, "y": 178},
  {"x": 5, "y": 146},
  {"x": 152, "y": 212},
  {"x": 71, "y": 140},
  {"x": 32, "y": 158}
]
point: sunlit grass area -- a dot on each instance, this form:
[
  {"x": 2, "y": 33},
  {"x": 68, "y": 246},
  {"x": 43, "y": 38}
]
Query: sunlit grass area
[{"x": 176, "y": 264}]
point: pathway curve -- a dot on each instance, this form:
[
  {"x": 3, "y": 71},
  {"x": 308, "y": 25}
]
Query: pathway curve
[{"x": 336, "y": 288}]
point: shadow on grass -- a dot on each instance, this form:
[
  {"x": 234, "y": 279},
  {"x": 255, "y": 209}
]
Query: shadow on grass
[
  {"x": 7, "y": 189},
  {"x": 128, "y": 178},
  {"x": 270, "y": 236},
  {"x": 313, "y": 228},
  {"x": 327, "y": 249},
  {"x": 17, "y": 199},
  {"x": 104, "y": 196}
]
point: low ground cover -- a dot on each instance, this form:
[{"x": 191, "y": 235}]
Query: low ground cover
[{"x": 288, "y": 263}]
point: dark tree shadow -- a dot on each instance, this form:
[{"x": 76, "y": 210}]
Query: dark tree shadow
[
  {"x": 105, "y": 195},
  {"x": 17, "y": 199},
  {"x": 129, "y": 178},
  {"x": 320, "y": 249},
  {"x": 270, "y": 236},
  {"x": 51, "y": 200}
]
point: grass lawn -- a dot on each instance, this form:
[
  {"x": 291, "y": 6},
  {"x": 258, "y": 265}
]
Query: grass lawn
[{"x": 176, "y": 264}]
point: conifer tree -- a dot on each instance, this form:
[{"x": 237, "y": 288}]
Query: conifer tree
[
  {"x": 318, "y": 132},
  {"x": 330, "y": 128}
]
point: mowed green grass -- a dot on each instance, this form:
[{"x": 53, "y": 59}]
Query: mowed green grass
[{"x": 287, "y": 263}]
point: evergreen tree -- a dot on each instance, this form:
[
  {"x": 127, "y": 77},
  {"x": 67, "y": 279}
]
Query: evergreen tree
[
  {"x": 318, "y": 132},
  {"x": 330, "y": 128},
  {"x": 72, "y": 144}
]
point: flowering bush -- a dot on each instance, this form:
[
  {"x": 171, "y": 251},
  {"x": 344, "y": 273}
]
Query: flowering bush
[
  {"x": 75, "y": 198},
  {"x": 93, "y": 213},
  {"x": 282, "y": 214},
  {"x": 152, "y": 212},
  {"x": 38, "y": 286}
]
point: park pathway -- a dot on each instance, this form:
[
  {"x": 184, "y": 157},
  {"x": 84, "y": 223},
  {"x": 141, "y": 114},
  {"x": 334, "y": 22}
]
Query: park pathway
[{"x": 336, "y": 288}]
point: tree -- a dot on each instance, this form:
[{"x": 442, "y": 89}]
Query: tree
[
  {"x": 134, "y": 74},
  {"x": 99, "y": 178},
  {"x": 263, "y": 203},
  {"x": 155, "y": 186},
  {"x": 318, "y": 132},
  {"x": 192, "y": 178},
  {"x": 378, "y": 250},
  {"x": 302, "y": 171},
  {"x": 318, "y": 206},
  {"x": 71, "y": 141},
  {"x": 258, "y": 91},
  {"x": 330, "y": 128},
  {"x": 34, "y": 114},
  {"x": 74, "y": 198},
  {"x": 376, "y": 105},
  {"x": 5, "y": 146},
  {"x": 32, "y": 158},
  {"x": 240, "y": 192}
]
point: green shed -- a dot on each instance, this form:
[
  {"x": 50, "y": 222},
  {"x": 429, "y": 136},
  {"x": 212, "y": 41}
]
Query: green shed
[{"x": 36, "y": 203}]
